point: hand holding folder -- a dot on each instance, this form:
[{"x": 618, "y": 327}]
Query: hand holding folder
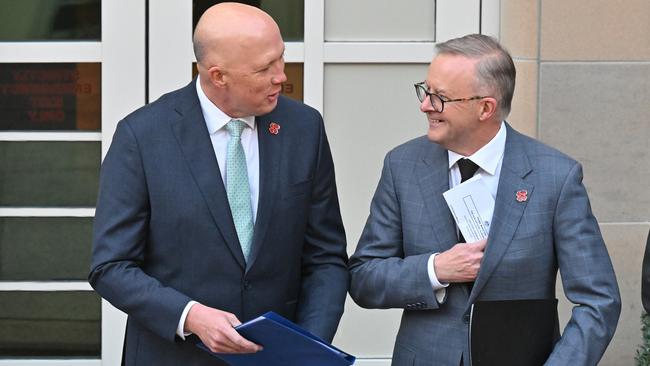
[{"x": 285, "y": 343}]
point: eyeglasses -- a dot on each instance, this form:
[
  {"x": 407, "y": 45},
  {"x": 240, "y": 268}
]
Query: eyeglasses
[{"x": 437, "y": 102}]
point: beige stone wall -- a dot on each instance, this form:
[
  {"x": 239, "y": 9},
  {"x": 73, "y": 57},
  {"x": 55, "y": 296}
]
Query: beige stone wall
[{"x": 584, "y": 87}]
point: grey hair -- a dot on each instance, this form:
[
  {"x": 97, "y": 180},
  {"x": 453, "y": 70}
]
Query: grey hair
[{"x": 495, "y": 69}]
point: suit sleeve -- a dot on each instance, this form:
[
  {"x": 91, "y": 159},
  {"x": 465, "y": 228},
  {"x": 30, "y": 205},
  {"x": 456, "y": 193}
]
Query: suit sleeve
[
  {"x": 381, "y": 275},
  {"x": 645, "y": 277},
  {"x": 120, "y": 238},
  {"x": 587, "y": 277},
  {"x": 325, "y": 277}
]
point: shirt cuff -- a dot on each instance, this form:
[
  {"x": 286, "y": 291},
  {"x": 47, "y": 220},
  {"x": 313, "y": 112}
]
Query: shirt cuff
[
  {"x": 438, "y": 288},
  {"x": 180, "y": 330}
]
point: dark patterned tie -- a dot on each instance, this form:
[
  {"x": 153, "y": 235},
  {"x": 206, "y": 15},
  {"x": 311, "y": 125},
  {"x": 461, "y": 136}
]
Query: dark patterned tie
[{"x": 467, "y": 169}]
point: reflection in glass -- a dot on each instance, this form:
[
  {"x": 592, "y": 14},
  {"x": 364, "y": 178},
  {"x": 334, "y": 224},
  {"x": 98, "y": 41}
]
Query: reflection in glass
[
  {"x": 45, "y": 248},
  {"x": 47, "y": 174},
  {"x": 293, "y": 87},
  {"x": 50, "y": 96},
  {"x": 42, "y": 20},
  {"x": 42, "y": 324},
  {"x": 289, "y": 14}
]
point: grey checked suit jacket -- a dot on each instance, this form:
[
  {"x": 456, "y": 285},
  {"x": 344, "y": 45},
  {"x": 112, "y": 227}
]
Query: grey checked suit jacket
[{"x": 527, "y": 244}]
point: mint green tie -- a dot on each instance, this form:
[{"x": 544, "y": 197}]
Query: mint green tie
[{"x": 239, "y": 196}]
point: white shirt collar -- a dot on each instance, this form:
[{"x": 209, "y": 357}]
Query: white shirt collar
[
  {"x": 487, "y": 157},
  {"x": 215, "y": 118}
]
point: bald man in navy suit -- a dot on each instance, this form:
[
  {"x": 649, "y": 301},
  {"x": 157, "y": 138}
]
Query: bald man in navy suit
[{"x": 167, "y": 249}]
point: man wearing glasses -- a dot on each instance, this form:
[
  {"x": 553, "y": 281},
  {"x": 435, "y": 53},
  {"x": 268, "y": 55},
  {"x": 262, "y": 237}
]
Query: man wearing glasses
[{"x": 411, "y": 256}]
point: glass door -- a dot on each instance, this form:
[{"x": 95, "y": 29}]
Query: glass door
[{"x": 67, "y": 69}]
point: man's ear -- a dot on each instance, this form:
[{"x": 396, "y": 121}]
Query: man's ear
[
  {"x": 217, "y": 76},
  {"x": 489, "y": 108}
]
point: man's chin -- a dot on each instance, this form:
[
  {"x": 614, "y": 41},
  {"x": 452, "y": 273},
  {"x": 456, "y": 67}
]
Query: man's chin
[{"x": 434, "y": 136}]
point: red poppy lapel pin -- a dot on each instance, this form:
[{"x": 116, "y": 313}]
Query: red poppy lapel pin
[
  {"x": 522, "y": 195},
  {"x": 274, "y": 128}
]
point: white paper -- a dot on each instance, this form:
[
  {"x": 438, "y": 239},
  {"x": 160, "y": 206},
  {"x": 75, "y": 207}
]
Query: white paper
[{"x": 472, "y": 206}]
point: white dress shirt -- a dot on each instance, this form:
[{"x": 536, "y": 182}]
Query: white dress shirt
[
  {"x": 215, "y": 121},
  {"x": 489, "y": 159}
]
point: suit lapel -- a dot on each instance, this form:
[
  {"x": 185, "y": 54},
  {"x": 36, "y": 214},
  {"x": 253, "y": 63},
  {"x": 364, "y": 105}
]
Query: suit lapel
[
  {"x": 270, "y": 155},
  {"x": 433, "y": 178},
  {"x": 507, "y": 210},
  {"x": 192, "y": 136}
]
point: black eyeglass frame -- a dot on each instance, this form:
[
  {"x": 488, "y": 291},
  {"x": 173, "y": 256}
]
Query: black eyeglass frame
[{"x": 422, "y": 86}]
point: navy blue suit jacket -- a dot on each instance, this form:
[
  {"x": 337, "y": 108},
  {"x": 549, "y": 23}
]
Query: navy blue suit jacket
[{"x": 164, "y": 234}]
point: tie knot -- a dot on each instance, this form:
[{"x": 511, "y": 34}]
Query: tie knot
[
  {"x": 467, "y": 169},
  {"x": 235, "y": 127}
]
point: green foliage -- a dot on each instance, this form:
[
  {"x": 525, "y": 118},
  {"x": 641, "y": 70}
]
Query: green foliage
[{"x": 643, "y": 352}]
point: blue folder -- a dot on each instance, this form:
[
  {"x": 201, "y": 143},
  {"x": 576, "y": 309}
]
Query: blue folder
[{"x": 285, "y": 343}]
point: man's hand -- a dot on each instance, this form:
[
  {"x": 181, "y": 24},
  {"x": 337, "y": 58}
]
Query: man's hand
[
  {"x": 460, "y": 263},
  {"x": 215, "y": 328}
]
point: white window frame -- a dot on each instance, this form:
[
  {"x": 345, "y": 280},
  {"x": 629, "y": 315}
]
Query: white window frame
[{"x": 121, "y": 53}]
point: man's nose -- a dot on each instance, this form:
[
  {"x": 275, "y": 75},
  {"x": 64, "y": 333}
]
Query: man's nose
[
  {"x": 280, "y": 78},
  {"x": 425, "y": 106}
]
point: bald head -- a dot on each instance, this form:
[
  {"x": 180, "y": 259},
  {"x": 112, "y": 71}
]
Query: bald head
[
  {"x": 240, "y": 59},
  {"x": 226, "y": 29}
]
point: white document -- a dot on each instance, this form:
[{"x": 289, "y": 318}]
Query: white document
[{"x": 472, "y": 206}]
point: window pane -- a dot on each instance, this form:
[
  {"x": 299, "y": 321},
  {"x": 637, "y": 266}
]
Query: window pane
[
  {"x": 289, "y": 14},
  {"x": 293, "y": 87},
  {"x": 49, "y": 173},
  {"x": 50, "y": 96},
  {"x": 42, "y": 324},
  {"x": 40, "y": 20},
  {"x": 375, "y": 20},
  {"x": 45, "y": 248}
]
